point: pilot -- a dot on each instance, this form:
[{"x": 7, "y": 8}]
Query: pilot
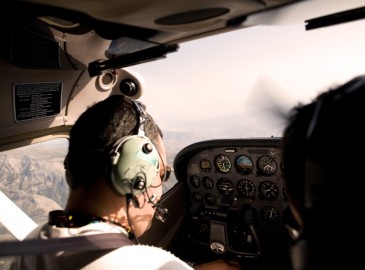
[
  {"x": 323, "y": 147},
  {"x": 115, "y": 167}
]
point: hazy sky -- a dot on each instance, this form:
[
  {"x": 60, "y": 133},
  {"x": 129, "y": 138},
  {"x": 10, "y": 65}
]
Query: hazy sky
[{"x": 266, "y": 64}]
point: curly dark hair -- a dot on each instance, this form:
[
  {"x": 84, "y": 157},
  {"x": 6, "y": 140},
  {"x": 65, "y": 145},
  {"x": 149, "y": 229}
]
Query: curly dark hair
[{"x": 96, "y": 131}]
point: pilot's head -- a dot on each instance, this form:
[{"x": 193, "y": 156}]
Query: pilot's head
[
  {"x": 96, "y": 133},
  {"x": 116, "y": 148},
  {"x": 323, "y": 146}
]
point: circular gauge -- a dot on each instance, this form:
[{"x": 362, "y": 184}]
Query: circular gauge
[
  {"x": 269, "y": 190},
  {"x": 209, "y": 198},
  {"x": 243, "y": 164},
  {"x": 225, "y": 186},
  {"x": 195, "y": 181},
  {"x": 208, "y": 182},
  {"x": 205, "y": 165},
  {"x": 266, "y": 165},
  {"x": 196, "y": 197},
  {"x": 270, "y": 215},
  {"x": 223, "y": 163},
  {"x": 246, "y": 188}
]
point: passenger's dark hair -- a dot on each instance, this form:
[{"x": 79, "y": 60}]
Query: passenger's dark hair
[
  {"x": 335, "y": 118},
  {"x": 96, "y": 131},
  {"x": 324, "y": 161},
  {"x": 294, "y": 150}
]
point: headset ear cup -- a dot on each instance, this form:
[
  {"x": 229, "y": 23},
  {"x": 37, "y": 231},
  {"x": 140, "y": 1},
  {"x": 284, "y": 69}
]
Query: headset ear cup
[{"x": 134, "y": 165}]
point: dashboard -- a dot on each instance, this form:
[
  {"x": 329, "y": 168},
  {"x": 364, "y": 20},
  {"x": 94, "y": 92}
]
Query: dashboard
[{"x": 237, "y": 197}]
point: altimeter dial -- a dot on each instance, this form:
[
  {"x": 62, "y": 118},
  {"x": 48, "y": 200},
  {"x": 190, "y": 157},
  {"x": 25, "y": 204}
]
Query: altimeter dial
[{"x": 267, "y": 165}]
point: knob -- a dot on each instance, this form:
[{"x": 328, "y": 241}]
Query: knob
[
  {"x": 147, "y": 148},
  {"x": 128, "y": 87}
]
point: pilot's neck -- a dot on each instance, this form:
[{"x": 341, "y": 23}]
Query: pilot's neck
[{"x": 99, "y": 201}]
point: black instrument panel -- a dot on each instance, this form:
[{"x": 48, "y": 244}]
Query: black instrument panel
[
  {"x": 237, "y": 195},
  {"x": 238, "y": 176}
]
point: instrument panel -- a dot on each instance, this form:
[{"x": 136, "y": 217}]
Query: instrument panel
[
  {"x": 236, "y": 176},
  {"x": 236, "y": 192}
]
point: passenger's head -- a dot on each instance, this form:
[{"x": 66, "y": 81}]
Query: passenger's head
[
  {"x": 323, "y": 147},
  {"x": 327, "y": 132},
  {"x": 95, "y": 134}
]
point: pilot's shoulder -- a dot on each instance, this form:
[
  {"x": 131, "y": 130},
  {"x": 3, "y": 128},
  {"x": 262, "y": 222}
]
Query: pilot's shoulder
[{"x": 139, "y": 257}]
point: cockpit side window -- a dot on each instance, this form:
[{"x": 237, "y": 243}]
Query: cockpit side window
[{"x": 32, "y": 183}]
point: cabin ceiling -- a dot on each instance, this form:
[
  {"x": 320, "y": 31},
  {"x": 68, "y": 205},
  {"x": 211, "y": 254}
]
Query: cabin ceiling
[{"x": 159, "y": 21}]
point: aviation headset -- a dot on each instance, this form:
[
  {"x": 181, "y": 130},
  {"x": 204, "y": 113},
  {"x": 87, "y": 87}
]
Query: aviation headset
[
  {"x": 134, "y": 160},
  {"x": 317, "y": 180}
]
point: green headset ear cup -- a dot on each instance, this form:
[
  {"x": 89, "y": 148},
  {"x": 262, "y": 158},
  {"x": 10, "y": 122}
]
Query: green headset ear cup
[{"x": 134, "y": 165}]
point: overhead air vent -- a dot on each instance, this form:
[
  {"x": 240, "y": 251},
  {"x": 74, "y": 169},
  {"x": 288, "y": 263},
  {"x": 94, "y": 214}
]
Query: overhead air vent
[
  {"x": 32, "y": 50},
  {"x": 192, "y": 16}
]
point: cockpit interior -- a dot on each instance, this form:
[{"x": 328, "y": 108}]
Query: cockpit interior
[{"x": 227, "y": 198}]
